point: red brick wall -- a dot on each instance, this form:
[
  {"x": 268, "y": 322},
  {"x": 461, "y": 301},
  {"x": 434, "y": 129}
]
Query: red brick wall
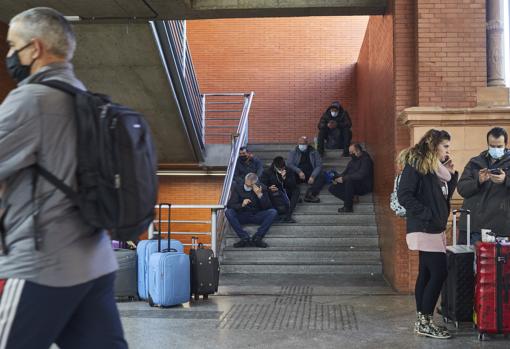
[
  {"x": 451, "y": 52},
  {"x": 386, "y": 85},
  {"x": 296, "y": 66},
  {"x": 6, "y": 83},
  {"x": 192, "y": 190}
]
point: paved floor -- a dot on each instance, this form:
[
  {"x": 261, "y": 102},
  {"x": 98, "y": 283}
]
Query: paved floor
[{"x": 288, "y": 311}]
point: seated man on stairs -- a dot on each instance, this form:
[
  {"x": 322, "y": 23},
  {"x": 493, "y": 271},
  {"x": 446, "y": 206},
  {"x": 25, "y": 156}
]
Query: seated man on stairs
[
  {"x": 249, "y": 203},
  {"x": 357, "y": 179},
  {"x": 283, "y": 189},
  {"x": 306, "y": 163}
]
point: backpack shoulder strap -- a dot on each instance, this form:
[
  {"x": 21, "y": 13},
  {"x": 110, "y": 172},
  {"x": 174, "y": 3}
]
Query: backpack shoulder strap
[
  {"x": 62, "y": 86},
  {"x": 50, "y": 177}
]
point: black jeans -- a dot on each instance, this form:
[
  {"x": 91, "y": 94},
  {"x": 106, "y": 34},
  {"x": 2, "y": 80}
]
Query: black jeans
[
  {"x": 345, "y": 141},
  {"x": 345, "y": 191},
  {"x": 317, "y": 185},
  {"x": 431, "y": 276}
]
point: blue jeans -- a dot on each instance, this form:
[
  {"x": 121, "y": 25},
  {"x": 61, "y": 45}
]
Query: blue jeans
[{"x": 237, "y": 220}]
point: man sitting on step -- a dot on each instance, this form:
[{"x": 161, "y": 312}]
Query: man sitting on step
[
  {"x": 357, "y": 179},
  {"x": 283, "y": 189},
  {"x": 306, "y": 163},
  {"x": 249, "y": 203},
  {"x": 246, "y": 163}
]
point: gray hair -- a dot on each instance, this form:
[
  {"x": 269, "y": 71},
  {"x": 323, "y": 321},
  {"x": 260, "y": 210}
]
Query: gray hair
[
  {"x": 49, "y": 26},
  {"x": 251, "y": 177}
]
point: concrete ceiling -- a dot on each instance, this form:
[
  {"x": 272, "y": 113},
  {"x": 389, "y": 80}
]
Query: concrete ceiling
[
  {"x": 197, "y": 9},
  {"x": 123, "y": 62}
]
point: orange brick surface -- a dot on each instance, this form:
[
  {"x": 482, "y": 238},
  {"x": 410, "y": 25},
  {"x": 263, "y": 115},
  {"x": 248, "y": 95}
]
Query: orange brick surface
[{"x": 296, "y": 66}]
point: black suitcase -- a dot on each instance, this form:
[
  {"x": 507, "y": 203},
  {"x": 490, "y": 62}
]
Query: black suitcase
[
  {"x": 457, "y": 295},
  {"x": 126, "y": 281},
  {"x": 205, "y": 270}
]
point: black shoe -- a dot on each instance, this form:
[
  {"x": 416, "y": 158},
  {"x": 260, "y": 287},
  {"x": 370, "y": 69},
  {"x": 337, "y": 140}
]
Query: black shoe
[
  {"x": 243, "y": 243},
  {"x": 312, "y": 198},
  {"x": 344, "y": 209},
  {"x": 288, "y": 220},
  {"x": 259, "y": 243}
]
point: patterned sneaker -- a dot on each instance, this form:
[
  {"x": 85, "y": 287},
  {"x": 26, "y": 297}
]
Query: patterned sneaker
[{"x": 429, "y": 329}]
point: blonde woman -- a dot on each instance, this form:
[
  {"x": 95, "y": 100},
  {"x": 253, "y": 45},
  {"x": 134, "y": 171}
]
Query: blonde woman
[{"x": 425, "y": 189}]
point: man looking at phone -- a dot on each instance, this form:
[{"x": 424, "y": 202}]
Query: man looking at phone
[
  {"x": 249, "y": 203},
  {"x": 485, "y": 187}
]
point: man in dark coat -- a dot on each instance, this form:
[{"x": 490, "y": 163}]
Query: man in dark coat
[
  {"x": 249, "y": 203},
  {"x": 357, "y": 179},
  {"x": 283, "y": 189},
  {"x": 485, "y": 187},
  {"x": 247, "y": 163},
  {"x": 334, "y": 129}
]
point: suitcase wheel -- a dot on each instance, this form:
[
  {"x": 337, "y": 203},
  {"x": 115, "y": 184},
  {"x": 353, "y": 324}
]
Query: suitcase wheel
[
  {"x": 445, "y": 320},
  {"x": 482, "y": 336},
  {"x": 206, "y": 296},
  {"x": 197, "y": 296}
]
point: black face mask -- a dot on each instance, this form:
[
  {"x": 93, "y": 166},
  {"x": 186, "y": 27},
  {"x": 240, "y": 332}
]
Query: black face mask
[
  {"x": 16, "y": 70},
  {"x": 243, "y": 157},
  {"x": 353, "y": 156}
]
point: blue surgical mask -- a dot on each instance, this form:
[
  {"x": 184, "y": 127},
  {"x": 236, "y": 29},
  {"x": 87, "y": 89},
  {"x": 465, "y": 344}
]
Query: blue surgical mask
[
  {"x": 303, "y": 147},
  {"x": 247, "y": 188},
  {"x": 334, "y": 114},
  {"x": 496, "y": 153}
]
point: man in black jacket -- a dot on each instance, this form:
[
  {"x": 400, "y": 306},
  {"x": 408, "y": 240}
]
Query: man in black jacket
[
  {"x": 335, "y": 129},
  {"x": 357, "y": 179},
  {"x": 485, "y": 187},
  {"x": 283, "y": 189},
  {"x": 246, "y": 163},
  {"x": 249, "y": 203}
]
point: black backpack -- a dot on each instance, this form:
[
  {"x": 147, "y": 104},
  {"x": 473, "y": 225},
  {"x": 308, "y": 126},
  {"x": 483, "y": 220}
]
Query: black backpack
[{"x": 117, "y": 164}]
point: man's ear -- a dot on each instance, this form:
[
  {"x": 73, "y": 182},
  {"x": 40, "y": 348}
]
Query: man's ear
[{"x": 38, "y": 49}]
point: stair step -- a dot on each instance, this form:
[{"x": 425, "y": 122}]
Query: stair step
[
  {"x": 288, "y": 254},
  {"x": 337, "y": 218},
  {"x": 314, "y": 269},
  {"x": 333, "y": 208},
  {"x": 313, "y": 241},
  {"x": 299, "y": 230},
  {"x": 282, "y": 146}
]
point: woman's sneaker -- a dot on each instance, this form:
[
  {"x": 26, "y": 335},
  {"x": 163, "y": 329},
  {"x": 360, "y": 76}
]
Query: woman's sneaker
[{"x": 426, "y": 327}]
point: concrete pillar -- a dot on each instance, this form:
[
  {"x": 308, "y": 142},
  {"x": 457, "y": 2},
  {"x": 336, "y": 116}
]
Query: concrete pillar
[{"x": 495, "y": 43}]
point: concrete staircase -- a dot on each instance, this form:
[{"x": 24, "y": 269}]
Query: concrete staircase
[{"x": 321, "y": 242}]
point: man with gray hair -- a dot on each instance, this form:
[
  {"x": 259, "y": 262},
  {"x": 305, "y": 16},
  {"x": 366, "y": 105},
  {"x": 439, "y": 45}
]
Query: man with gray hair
[
  {"x": 56, "y": 271},
  {"x": 249, "y": 203}
]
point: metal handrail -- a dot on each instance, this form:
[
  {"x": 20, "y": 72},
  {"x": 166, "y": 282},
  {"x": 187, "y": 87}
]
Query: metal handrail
[
  {"x": 238, "y": 140},
  {"x": 174, "y": 50},
  {"x": 215, "y": 209}
]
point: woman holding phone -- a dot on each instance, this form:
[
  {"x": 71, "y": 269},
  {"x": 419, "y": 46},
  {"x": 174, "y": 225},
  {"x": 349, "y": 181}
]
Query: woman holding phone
[{"x": 426, "y": 186}]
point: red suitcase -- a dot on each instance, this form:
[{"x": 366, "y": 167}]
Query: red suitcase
[{"x": 492, "y": 290}]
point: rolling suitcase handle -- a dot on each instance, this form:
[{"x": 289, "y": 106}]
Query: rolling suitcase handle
[
  {"x": 468, "y": 228},
  {"x": 169, "y": 249}
]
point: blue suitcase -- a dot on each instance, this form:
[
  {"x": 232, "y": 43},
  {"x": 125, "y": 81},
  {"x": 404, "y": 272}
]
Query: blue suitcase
[
  {"x": 169, "y": 274},
  {"x": 145, "y": 249}
]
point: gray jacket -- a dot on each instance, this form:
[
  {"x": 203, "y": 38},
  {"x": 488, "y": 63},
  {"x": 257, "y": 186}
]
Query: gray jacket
[
  {"x": 37, "y": 126},
  {"x": 489, "y": 202},
  {"x": 295, "y": 156}
]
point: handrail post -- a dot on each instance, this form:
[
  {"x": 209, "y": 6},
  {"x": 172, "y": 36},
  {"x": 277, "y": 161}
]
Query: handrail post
[
  {"x": 203, "y": 118},
  {"x": 213, "y": 231}
]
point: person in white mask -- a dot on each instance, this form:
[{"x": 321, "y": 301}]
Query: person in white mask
[
  {"x": 485, "y": 187},
  {"x": 334, "y": 129},
  {"x": 305, "y": 162}
]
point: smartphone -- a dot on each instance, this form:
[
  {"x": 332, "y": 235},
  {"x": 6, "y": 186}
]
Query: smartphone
[
  {"x": 446, "y": 160},
  {"x": 495, "y": 171}
]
